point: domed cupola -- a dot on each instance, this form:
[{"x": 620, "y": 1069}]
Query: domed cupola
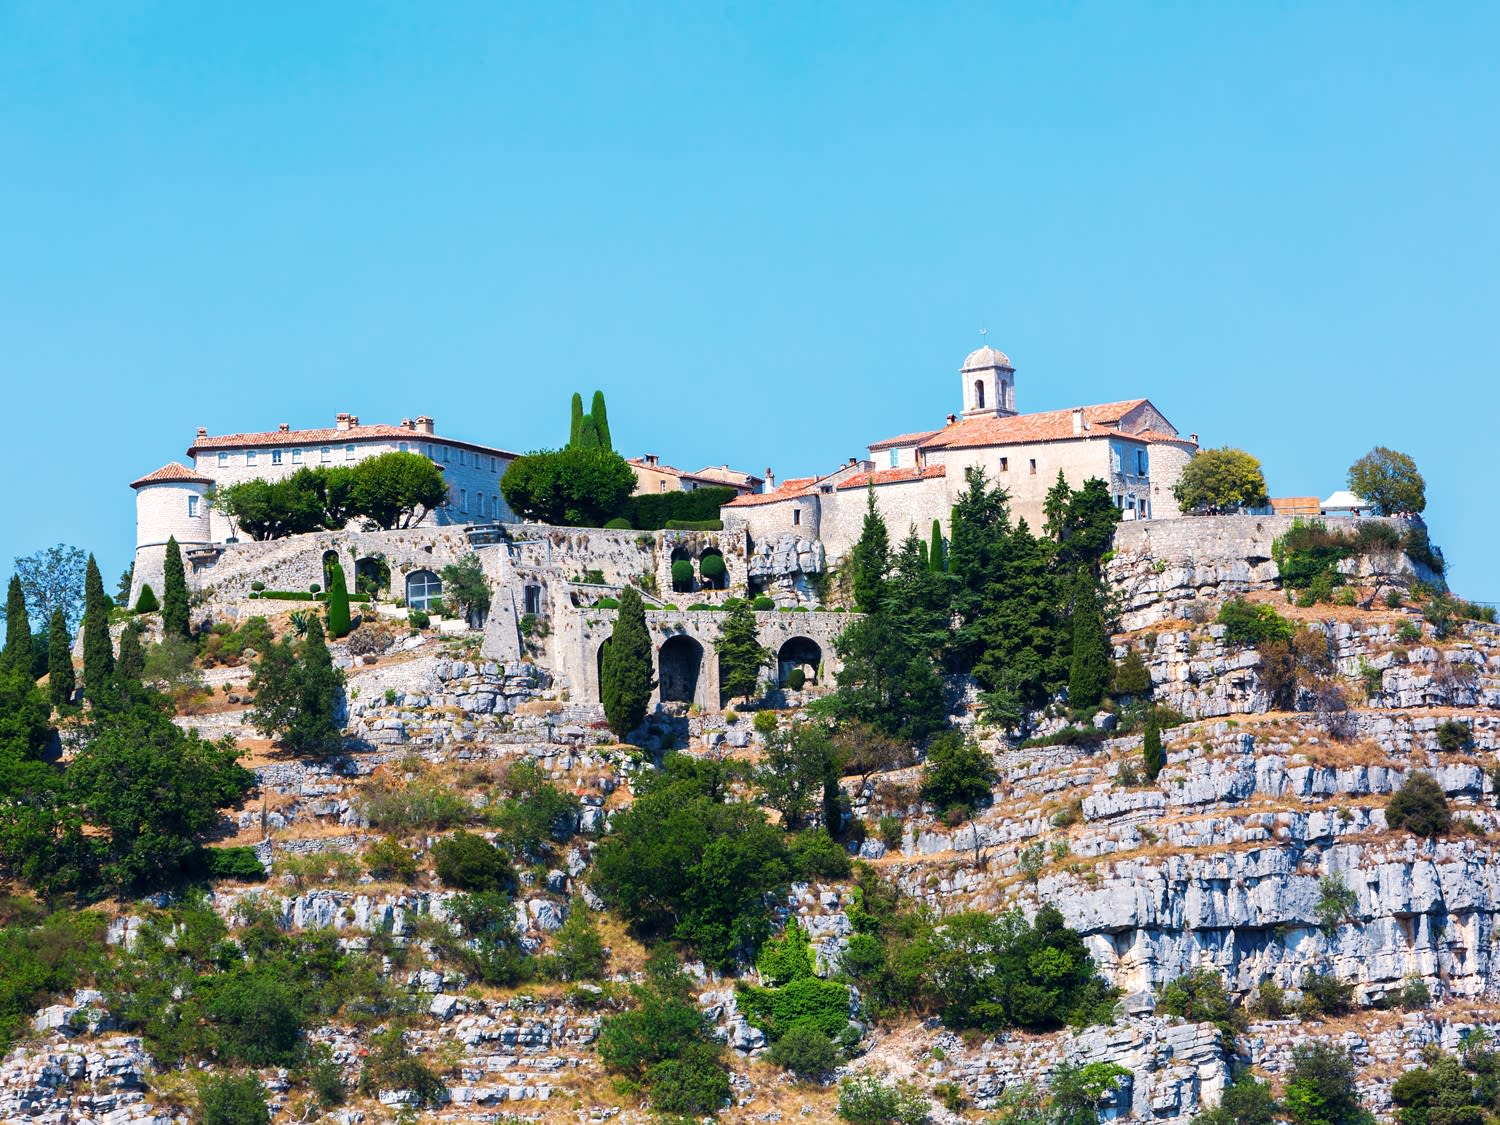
[{"x": 989, "y": 383}]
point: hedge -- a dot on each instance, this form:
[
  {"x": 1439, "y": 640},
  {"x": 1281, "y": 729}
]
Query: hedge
[
  {"x": 695, "y": 525},
  {"x": 657, "y": 510},
  {"x": 300, "y": 596}
]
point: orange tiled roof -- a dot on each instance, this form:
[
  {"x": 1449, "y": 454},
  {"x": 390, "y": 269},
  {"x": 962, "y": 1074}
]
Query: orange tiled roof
[
  {"x": 1047, "y": 425},
  {"x": 901, "y": 439},
  {"x": 171, "y": 471},
  {"x": 892, "y": 476},
  {"x": 1162, "y": 435},
  {"x": 716, "y": 476},
  {"x": 786, "y": 490},
  {"x": 725, "y": 475},
  {"x": 334, "y": 436}
]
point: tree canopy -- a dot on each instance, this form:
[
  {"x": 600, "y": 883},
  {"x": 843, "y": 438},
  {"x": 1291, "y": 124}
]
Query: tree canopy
[
  {"x": 1221, "y": 480},
  {"x": 1389, "y": 480},
  {"x": 579, "y": 486},
  {"x": 625, "y": 679},
  {"x": 389, "y": 490}
]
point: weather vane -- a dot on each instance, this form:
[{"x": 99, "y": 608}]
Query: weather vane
[{"x": 983, "y": 332}]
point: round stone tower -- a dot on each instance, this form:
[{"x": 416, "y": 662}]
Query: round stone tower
[
  {"x": 989, "y": 382},
  {"x": 171, "y": 502}
]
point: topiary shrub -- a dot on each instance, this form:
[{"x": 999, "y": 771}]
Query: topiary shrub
[
  {"x": 763, "y": 603},
  {"x": 1419, "y": 806},
  {"x": 796, "y": 678},
  {"x": 257, "y": 585},
  {"x": 146, "y": 602},
  {"x": 607, "y": 603},
  {"x": 712, "y": 568},
  {"x": 682, "y": 576},
  {"x": 471, "y": 863},
  {"x": 617, "y": 524}
]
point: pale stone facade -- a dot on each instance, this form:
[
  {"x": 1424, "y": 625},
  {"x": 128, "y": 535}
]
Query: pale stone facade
[{"x": 652, "y": 476}]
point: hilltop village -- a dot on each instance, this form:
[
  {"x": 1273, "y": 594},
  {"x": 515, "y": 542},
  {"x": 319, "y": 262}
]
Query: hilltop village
[{"x": 1035, "y": 767}]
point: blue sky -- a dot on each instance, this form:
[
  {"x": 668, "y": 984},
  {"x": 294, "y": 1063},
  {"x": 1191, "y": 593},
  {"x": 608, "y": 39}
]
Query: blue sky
[{"x": 769, "y": 232}]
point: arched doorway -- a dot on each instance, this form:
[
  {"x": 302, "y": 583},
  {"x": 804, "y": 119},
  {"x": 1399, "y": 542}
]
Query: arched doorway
[
  {"x": 684, "y": 579},
  {"x": 711, "y": 567},
  {"x": 330, "y": 560},
  {"x": 799, "y": 653},
  {"x": 372, "y": 575},
  {"x": 424, "y": 590},
  {"x": 678, "y": 663},
  {"x": 599, "y": 668}
]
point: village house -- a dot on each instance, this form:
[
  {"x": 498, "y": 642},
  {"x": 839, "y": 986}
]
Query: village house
[{"x": 652, "y": 476}]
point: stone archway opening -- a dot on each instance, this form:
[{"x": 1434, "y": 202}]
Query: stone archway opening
[
  {"x": 330, "y": 559},
  {"x": 599, "y": 668},
  {"x": 372, "y": 575},
  {"x": 679, "y": 663},
  {"x": 711, "y": 567},
  {"x": 684, "y": 574},
  {"x": 798, "y": 655}
]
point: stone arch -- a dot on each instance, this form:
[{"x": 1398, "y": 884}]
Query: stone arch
[
  {"x": 708, "y": 583},
  {"x": 799, "y": 652},
  {"x": 330, "y": 557},
  {"x": 372, "y": 575},
  {"x": 679, "y": 664},
  {"x": 683, "y": 554},
  {"x": 423, "y": 588},
  {"x": 979, "y": 394},
  {"x": 599, "y": 668}
]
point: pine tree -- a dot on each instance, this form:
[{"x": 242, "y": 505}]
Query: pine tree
[
  {"x": 174, "y": 599},
  {"x": 870, "y": 558},
  {"x": 98, "y": 652},
  {"x": 742, "y": 658},
  {"x": 1089, "y": 676},
  {"x": 1155, "y": 758},
  {"x": 132, "y": 662},
  {"x": 17, "y": 653},
  {"x": 575, "y": 428},
  {"x": 601, "y": 420},
  {"x": 61, "y": 680},
  {"x": 935, "y": 557},
  {"x": 625, "y": 679},
  {"x": 338, "y": 600}
]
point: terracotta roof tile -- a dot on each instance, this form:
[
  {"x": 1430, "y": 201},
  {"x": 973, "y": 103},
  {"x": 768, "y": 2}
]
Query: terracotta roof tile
[
  {"x": 171, "y": 471},
  {"x": 1162, "y": 435},
  {"x": 786, "y": 490},
  {"x": 901, "y": 439},
  {"x": 1047, "y": 425},
  {"x": 334, "y": 436},
  {"x": 893, "y": 476}
]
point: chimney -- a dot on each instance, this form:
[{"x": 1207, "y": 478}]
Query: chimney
[
  {"x": 1079, "y": 422},
  {"x": 424, "y": 424},
  {"x": 283, "y": 427},
  {"x": 952, "y": 418},
  {"x": 202, "y": 433},
  {"x": 406, "y": 424},
  {"x": 651, "y": 460},
  {"x": 354, "y": 421},
  {"x": 1193, "y": 438},
  {"x": 341, "y": 421},
  {"x": 770, "y": 480}
]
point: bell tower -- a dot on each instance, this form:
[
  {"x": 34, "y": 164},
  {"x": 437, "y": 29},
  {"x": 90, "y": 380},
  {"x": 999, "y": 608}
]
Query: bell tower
[{"x": 989, "y": 384}]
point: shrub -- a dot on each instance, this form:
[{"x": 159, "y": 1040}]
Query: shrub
[
  {"x": 619, "y": 523},
  {"x": 419, "y": 619},
  {"x": 1269, "y": 1001},
  {"x": 1419, "y": 806},
  {"x": 815, "y": 855},
  {"x": 471, "y": 863},
  {"x": 890, "y": 831},
  {"x": 1323, "y": 994},
  {"x": 712, "y": 568},
  {"x": 1321, "y": 1088},
  {"x": 370, "y": 639},
  {"x": 387, "y": 859},
  {"x": 695, "y": 525},
  {"x": 414, "y": 806},
  {"x": 578, "y": 951},
  {"x": 235, "y": 863},
  {"x": 958, "y": 773},
  {"x": 1453, "y": 735},
  {"x": 1200, "y": 996},
  {"x": 390, "y": 1066},
  {"x": 762, "y": 603},
  {"x": 805, "y": 1051},
  {"x": 1393, "y": 599},
  {"x": 258, "y": 1019},
  {"x": 765, "y": 722},
  {"x": 796, "y": 679},
  {"x": 146, "y": 602},
  {"x": 663, "y": 1041},
  {"x": 1408, "y": 633},
  {"x": 257, "y": 585},
  {"x": 682, "y": 575},
  {"x": 697, "y": 510},
  {"x": 228, "y": 1099},
  {"x": 865, "y": 1100},
  {"x": 1250, "y": 623},
  {"x": 607, "y": 603},
  {"x": 1336, "y": 902}
]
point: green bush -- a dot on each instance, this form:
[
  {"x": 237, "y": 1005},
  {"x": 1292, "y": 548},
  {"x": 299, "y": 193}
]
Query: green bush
[
  {"x": 607, "y": 603},
  {"x": 1323, "y": 994},
  {"x": 796, "y": 679},
  {"x": 654, "y": 511},
  {"x": 1453, "y": 735},
  {"x": 762, "y": 603},
  {"x": 391, "y": 1066},
  {"x": 816, "y": 855},
  {"x": 957, "y": 774},
  {"x": 713, "y": 570},
  {"x": 146, "y": 602},
  {"x": 695, "y": 525},
  {"x": 1337, "y": 902},
  {"x": 805, "y": 1051},
  {"x": 235, "y": 863},
  {"x": 1409, "y": 633},
  {"x": 229, "y": 1099},
  {"x": 1201, "y": 997},
  {"x": 1309, "y": 554},
  {"x": 1321, "y": 1088},
  {"x": 471, "y": 863},
  {"x": 663, "y": 1042},
  {"x": 257, "y": 585},
  {"x": 682, "y": 575},
  {"x": 890, "y": 828},
  {"x": 786, "y": 958},
  {"x": 416, "y": 806},
  {"x": 419, "y": 619},
  {"x": 865, "y": 1100},
  {"x": 1250, "y": 623},
  {"x": 619, "y": 523},
  {"x": 286, "y": 595},
  {"x": 1420, "y": 806},
  {"x": 258, "y": 1019},
  {"x": 807, "y": 1001},
  {"x": 386, "y": 859}
]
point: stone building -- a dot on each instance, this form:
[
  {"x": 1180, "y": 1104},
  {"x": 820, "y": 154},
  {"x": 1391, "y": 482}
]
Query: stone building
[
  {"x": 174, "y": 500},
  {"x": 916, "y": 477},
  {"x": 652, "y": 476}
]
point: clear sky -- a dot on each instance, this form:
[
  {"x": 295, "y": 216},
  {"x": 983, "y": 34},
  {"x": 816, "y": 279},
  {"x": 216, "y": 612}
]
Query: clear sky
[{"x": 770, "y": 232}]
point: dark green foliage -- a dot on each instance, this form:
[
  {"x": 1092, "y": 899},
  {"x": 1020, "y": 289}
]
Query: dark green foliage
[
  {"x": 786, "y": 958},
  {"x": 1324, "y": 994},
  {"x": 600, "y": 421},
  {"x": 1152, "y": 752},
  {"x": 234, "y": 863},
  {"x": 17, "y": 653},
  {"x": 1389, "y": 481},
  {"x": 1131, "y": 677},
  {"x": 40, "y": 836},
  {"x": 683, "y": 861},
  {"x": 870, "y": 558},
  {"x": 391, "y": 1065},
  {"x": 98, "y": 651},
  {"x": 299, "y": 696},
  {"x": 338, "y": 601},
  {"x": 625, "y": 679},
  {"x": 682, "y": 575},
  {"x": 578, "y": 951},
  {"x": 258, "y": 1018},
  {"x": 1221, "y": 480},
  {"x": 467, "y": 589},
  {"x": 1199, "y": 996},
  {"x": 579, "y": 486},
  {"x": 575, "y": 424},
  {"x": 805, "y": 1051},
  {"x": 131, "y": 663},
  {"x": 1451, "y": 1091},
  {"x": 230, "y": 1099},
  {"x": 937, "y": 559},
  {"x": 1420, "y": 806},
  {"x": 41, "y": 958},
  {"x": 387, "y": 859},
  {"x": 54, "y": 579},
  {"x": 533, "y": 813},
  {"x": 390, "y": 489},
  {"x": 713, "y": 570},
  {"x": 1454, "y": 735},
  {"x": 294, "y": 505},
  {"x": 1252, "y": 623},
  {"x": 146, "y": 602},
  {"x": 1321, "y": 1087},
  {"x": 1085, "y": 527},
  {"x": 174, "y": 598},
  {"x": 958, "y": 773},
  {"x": 806, "y": 1001},
  {"x": 1246, "y": 1101},
  {"x": 865, "y": 1100},
  {"x": 763, "y": 603},
  {"x": 686, "y": 511},
  {"x": 61, "y": 680},
  {"x": 792, "y": 770},
  {"x": 471, "y": 863},
  {"x": 490, "y": 949},
  {"x": 742, "y": 658},
  {"x": 619, "y": 523},
  {"x": 1309, "y": 553},
  {"x": 415, "y": 806},
  {"x": 693, "y": 525},
  {"x": 888, "y": 682},
  {"x": 817, "y": 856},
  {"x": 1089, "y": 675},
  {"x": 1419, "y": 549}
]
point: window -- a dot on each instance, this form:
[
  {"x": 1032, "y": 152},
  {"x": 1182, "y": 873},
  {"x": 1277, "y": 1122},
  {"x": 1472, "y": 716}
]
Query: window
[
  {"x": 1033, "y": 466},
  {"x": 422, "y": 589},
  {"x": 327, "y": 453},
  {"x": 1005, "y": 464},
  {"x": 661, "y": 486},
  {"x": 223, "y": 458},
  {"x": 1140, "y": 462},
  {"x": 979, "y": 394},
  {"x": 894, "y": 456},
  {"x": 349, "y": 453},
  {"x": 401, "y": 447},
  {"x": 296, "y": 457},
  {"x": 447, "y": 453},
  {"x": 463, "y": 499},
  {"x": 533, "y": 602},
  {"x": 494, "y": 465},
  {"x": 796, "y": 516},
  {"x": 462, "y": 457},
  {"x": 275, "y": 456},
  {"x": 427, "y": 452},
  {"x": 192, "y": 507},
  {"x": 250, "y": 457}
]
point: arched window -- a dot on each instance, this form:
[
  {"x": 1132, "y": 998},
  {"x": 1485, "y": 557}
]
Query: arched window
[
  {"x": 422, "y": 589},
  {"x": 979, "y": 394}
]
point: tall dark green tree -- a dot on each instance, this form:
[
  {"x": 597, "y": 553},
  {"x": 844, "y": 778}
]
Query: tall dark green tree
[
  {"x": 742, "y": 658},
  {"x": 338, "y": 600},
  {"x": 935, "y": 555},
  {"x": 575, "y": 426},
  {"x": 61, "y": 680},
  {"x": 298, "y": 702},
  {"x": 916, "y": 597},
  {"x": 132, "y": 660},
  {"x": 1154, "y": 757},
  {"x": 870, "y": 558},
  {"x": 17, "y": 652},
  {"x": 98, "y": 651},
  {"x": 625, "y": 679},
  {"x": 600, "y": 419},
  {"x": 1087, "y": 528},
  {"x": 1088, "y": 676},
  {"x": 174, "y": 598}
]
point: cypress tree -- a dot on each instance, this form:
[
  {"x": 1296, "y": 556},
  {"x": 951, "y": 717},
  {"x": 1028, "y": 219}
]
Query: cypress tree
[
  {"x": 1155, "y": 757},
  {"x": 314, "y": 725},
  {"x": 575, "y": 428},
  {"x": 625, "y": 679},
  {"x": 1089, "y": 676},
  {"x": 98, "y": 652},
  {"x": 338, "y": 600},
  {"x": 174, "y": 598},
  {"x": 870, "y": 558},
  {"x": 132, "y": 662},
  {"x": 17, "y": 652},
  {"x": 61, "y": 680},
  {"x": 601, "y": 420},
  {"x": 741, "y": 655},
  {"x": 935, "y": 549}
]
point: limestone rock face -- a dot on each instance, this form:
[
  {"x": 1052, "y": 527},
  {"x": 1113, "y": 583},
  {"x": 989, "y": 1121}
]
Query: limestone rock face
[{"x": 786, "y": 565}]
